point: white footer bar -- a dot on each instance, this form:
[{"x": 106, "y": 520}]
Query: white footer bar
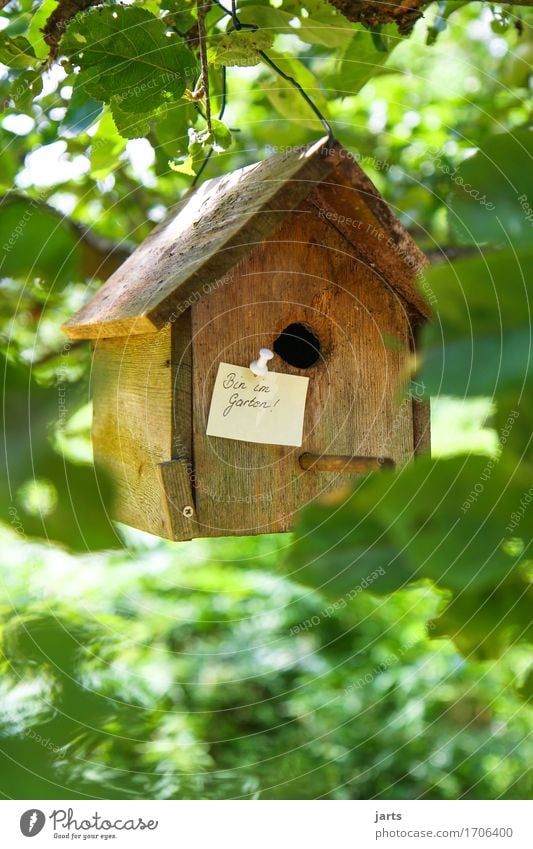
[{"x": 268, "y": 825}]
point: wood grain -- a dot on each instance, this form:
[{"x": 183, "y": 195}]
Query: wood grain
[
  {"x": 342, "y": 463},
  {"x": 421, "y": 427},
  {"x": 178, "y": 503},
  {"x": 306, "y": 272},
  {"x": 134, "y": 429}
]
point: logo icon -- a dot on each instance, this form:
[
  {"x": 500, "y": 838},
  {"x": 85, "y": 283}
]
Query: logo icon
[{"x": 32, "y": 822}]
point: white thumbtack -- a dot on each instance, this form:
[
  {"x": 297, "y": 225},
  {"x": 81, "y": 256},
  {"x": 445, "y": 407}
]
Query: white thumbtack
[{"x": 259, "y": 366}]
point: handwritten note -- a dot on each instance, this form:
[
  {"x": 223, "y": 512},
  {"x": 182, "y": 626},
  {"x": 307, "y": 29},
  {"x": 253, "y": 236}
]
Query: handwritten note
[{"x": 267, "y": 409}]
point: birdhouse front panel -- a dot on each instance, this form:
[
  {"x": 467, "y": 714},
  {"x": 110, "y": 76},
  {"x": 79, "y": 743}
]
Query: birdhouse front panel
[{"x": 326, "y": 316}]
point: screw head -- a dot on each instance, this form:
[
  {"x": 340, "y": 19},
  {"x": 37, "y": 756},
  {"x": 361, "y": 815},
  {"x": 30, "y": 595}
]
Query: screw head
[{"x": 188, "y": 511}]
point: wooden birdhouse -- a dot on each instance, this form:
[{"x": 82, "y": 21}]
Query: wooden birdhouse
[{"x": 300, "y": 255}]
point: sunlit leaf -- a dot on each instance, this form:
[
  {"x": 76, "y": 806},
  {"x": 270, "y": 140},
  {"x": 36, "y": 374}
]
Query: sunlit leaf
[{"x": 126, "y": 54}]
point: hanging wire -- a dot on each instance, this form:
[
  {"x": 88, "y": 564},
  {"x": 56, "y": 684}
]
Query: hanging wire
[
  {"x": 238, "y": 25},
  {"x": 325, "y": 123}
]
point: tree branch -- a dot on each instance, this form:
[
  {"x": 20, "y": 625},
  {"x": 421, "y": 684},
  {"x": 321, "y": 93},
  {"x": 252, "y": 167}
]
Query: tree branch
[
  {"x": 59, "y": 20},
  {"x": 405, "y": 13},
  {"x": 99, "y": 256},
  {"x": 203, "y": 7}
]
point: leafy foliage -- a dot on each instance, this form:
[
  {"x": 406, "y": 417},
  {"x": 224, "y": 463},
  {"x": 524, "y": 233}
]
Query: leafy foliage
[
  {"x": 442, "y": 520},
  {"x": 38, "y": 482},
  {"x": 128, "y": 58},
  {"x": 503, "y": 218},
  {"x": 210, "y": 679}
]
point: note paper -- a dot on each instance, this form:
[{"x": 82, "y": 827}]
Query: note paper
[{"x": 267, "y": 409}]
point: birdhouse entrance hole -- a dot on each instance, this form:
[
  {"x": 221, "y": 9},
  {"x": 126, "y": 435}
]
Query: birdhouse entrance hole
[{"x": 298, "y": 345}]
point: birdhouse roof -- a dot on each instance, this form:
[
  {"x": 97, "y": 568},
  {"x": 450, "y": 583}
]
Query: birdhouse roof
[{"x": 216, "y": 225}]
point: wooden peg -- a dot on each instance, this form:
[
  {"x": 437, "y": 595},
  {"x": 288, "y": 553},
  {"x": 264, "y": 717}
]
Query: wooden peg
[{"x": 342, "y": 463}]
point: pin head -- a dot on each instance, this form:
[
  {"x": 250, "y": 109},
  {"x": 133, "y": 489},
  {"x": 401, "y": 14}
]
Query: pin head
[{"x": 259, "y": 366}]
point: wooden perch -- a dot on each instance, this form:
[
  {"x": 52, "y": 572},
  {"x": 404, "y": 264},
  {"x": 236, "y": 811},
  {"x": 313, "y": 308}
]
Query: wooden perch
[{"x": 339, "y": 463}]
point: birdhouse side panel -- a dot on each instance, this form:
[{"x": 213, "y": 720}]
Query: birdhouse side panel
[
  {"x": 133, "y": 424},
  {"x": 308, "y": 277}
]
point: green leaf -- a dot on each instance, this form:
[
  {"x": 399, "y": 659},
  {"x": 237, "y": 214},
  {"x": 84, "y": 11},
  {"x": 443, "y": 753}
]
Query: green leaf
[
  {"x": 18, "y": 25},
  {"x": 182, "y": 13},
  {"x": 440, "y": 22},
  {"x": 526, "y": 690},
  {"x": 77, "y": 514},
  {"x": 222, "y": 138},
  {"x": 25, "y": 87},
  {"x": 240, "y": 47},
  {"x": 187, "y": 166},
  {"x": 323, "y": 26},
  {"x": 444, "y": 520},
  {"x": 128, "y": 57},
  {"x": 130, "y": 126},
  {"x": 361, "y": 61},
  {"x": 286, "y": 99},
  {"x": 479, "y": 342},
  {"x": 16, "y": 52},
  {"x": 498, "y": 618},
  {"x": 38, "y": 21},
  {"x": 492, "y": 200},
  {"x": 171, "y": 127},
  {"x": 106, "y": 148},
  {"x": 37, "y": 241},
  {"x": 82, "y": 111}
]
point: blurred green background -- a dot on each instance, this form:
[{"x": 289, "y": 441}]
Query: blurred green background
[{"x": 223, "y": 669}]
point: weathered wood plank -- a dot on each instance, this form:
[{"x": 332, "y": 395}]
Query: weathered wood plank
[
  {"x": 178, "y": 502},
  {"x": 133, "y": 431},
  {"x": 421, "y": 427},
  {"x": 181, "y": 387}
]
